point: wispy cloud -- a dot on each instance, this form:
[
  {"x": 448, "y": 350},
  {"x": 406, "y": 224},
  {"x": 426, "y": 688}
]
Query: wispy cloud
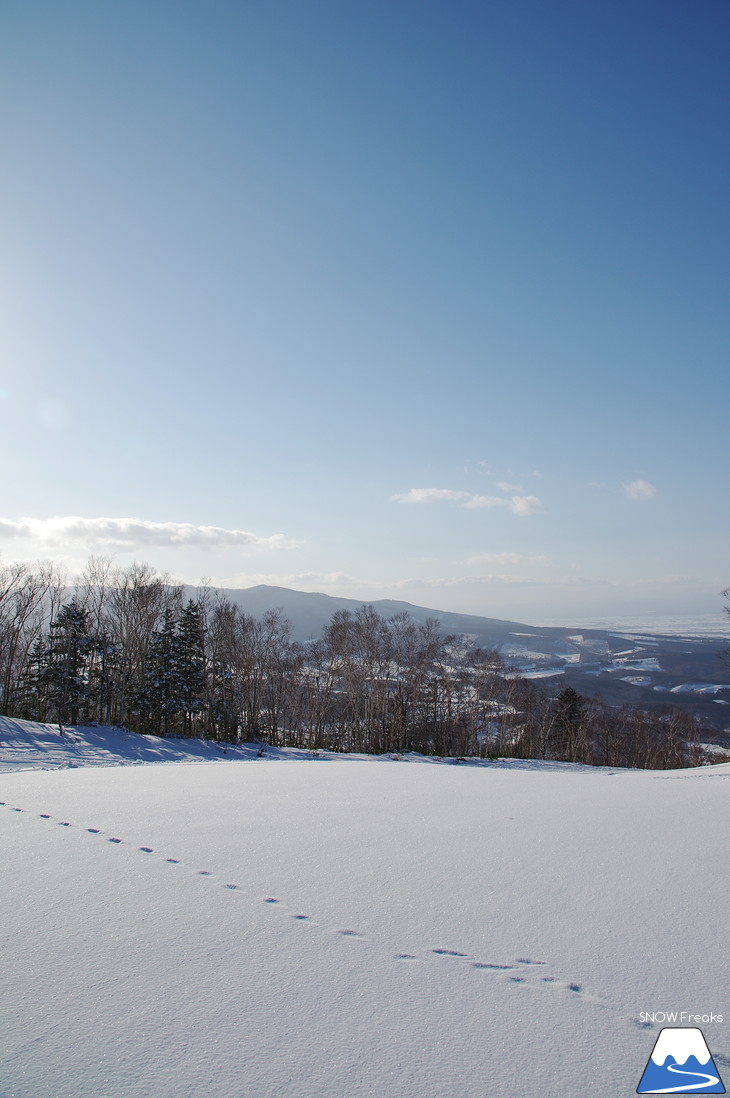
[
  {"x": 497, "y": 579},
  {"x": 639, "y": 490},
  {"x": 525, "y": 505},
  {"x": 134, "y": 533},
  {"x": 431, "y": 495},
  {"x": 518, "y": 505}
]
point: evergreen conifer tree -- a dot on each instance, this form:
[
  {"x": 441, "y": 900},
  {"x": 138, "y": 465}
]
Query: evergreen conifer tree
[
  {"x": 190, "y": 661},
  {"x": 63, "y": 675},
  {"x": 159, "y": 695}
]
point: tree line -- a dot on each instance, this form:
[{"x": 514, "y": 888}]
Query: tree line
[{"x": 123, "y": 646}]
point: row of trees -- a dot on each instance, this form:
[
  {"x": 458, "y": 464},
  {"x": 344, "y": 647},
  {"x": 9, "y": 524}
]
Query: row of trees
[{"x": 124, "y": 647}]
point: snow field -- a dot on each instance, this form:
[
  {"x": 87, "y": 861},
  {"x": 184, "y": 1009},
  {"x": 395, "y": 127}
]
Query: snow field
[{"x": 438, "y": 931}]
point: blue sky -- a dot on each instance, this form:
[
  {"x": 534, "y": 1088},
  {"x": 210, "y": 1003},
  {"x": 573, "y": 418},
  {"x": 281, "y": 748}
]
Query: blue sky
[{"x": 403, "y": 299}]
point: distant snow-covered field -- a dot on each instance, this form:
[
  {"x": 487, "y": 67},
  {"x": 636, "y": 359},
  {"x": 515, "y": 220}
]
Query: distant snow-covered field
[
  {"x": 678, "y": 625},
  {"x": 290, "y": 926}
]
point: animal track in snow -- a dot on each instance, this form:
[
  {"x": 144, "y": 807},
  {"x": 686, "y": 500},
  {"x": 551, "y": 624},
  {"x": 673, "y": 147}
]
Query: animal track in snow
[{"x": 527, "y": 978}]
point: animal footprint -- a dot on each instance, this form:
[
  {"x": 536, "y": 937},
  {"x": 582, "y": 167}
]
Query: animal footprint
[
  {"x": 302, "y": 918},
  {"x": 63, "y": 823},
  {"x": 481, "y": 964},
  {"x": 527, "y": 961},
  {"x": 232, "y": 887},
  {"x": 406, "y": 957},
  {"x": 350, "y": 934},
  {"x": 448, "y": 953},
  {"x": 45, "y": 816},
  {"x": 93, "y": 830},
  {"x": 146, "y": 850},
  {"x": 270, "y": 900},
  {"x": 204, "y": 873},
  {"x": 115, "y": 840},
  {"x": 173, "y": 861}
]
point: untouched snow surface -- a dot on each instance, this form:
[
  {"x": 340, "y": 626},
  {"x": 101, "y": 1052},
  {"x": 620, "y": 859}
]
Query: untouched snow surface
[{"x": 281, "y": 928}]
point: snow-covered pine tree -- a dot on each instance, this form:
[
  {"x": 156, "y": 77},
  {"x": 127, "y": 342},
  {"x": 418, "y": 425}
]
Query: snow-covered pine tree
[
  {"x": 190, "y": 656},
  {"x": 63, "y": 675},
  {"x": 159, "y": 694}
]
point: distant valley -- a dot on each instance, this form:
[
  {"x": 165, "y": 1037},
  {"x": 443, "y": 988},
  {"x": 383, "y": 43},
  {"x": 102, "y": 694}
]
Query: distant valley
[{"x": 650, "y": 671}]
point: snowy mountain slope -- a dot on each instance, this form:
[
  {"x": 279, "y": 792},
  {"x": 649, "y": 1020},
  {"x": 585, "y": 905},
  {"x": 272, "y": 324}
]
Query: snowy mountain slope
[{"x": 355, "y": 927}]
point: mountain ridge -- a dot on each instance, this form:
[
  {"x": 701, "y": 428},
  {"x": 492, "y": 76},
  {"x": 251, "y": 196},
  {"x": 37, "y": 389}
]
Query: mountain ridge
[{"x": 647, "y": 670}]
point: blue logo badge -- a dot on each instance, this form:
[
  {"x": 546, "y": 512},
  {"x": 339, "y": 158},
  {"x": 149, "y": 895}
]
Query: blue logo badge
[{"x": 680, "y": 1063}]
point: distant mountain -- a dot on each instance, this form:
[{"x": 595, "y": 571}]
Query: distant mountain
[
  {"x": 310, "y": 612},
  {"x": 646, "y": 670}
]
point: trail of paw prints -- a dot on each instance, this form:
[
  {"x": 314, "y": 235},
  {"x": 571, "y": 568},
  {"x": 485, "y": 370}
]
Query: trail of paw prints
[
  {"x": 114, "y": 839},
  {"x": 525, "y": 972},
  {"x": 229, "y": 886},
  {"x": 298, "y": 916},
  {"x": 301, "y": 917}
]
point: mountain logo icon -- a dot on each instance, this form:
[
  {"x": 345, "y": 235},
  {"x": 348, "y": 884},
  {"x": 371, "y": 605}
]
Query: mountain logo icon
[{"x": 680, "y": 1063}]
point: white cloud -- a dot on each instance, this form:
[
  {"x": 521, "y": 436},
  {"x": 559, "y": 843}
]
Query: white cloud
[
  {"x": 518, "y": 505},
  {"x": 430, "y": 495},
  {"x": 133, "y": 533},
  {"x": 10, "y": 529},
  {"x": 525, "y": 505},
  {"x": 639, "y": 490},
  {"x": 496, "y": 579}
]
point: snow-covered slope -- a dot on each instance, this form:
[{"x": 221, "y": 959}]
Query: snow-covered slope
[
  {"x": 27, "y": 745},
  {"x": 284, "y": 929}
]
